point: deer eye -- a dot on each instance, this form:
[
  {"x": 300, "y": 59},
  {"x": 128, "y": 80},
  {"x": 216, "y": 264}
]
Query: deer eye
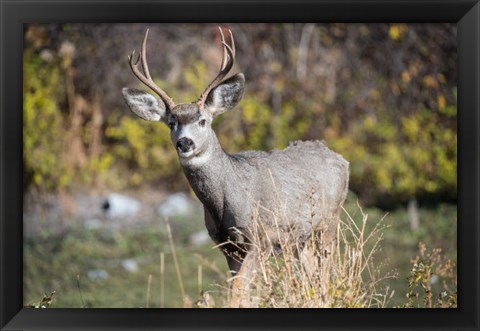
[{"x": 202, "y": 122}]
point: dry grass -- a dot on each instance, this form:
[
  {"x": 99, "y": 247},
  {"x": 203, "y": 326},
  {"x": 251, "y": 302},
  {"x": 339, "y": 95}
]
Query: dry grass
[
  {"x": 432, "y": 282},
  {"x": 315, "y": 274}
]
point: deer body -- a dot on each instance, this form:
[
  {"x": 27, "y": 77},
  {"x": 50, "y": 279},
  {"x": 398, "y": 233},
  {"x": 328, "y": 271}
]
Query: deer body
[
  {"x": 285, "y": 182},
  {"x": 296, "y": 190}
]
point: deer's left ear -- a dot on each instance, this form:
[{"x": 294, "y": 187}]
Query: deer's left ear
[
  {"x": 225, "y": 96},
  {"x": 144, "y": 105}
]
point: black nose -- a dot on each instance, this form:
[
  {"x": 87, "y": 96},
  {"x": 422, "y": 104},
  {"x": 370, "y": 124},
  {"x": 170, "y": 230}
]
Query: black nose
[{"x": 185, "y": 145}]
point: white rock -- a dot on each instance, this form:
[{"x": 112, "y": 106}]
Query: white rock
[
  {"x": 118, "y": 205},
  {"x": 176, "y": 204},
  {"x": 130, "y": 265}
]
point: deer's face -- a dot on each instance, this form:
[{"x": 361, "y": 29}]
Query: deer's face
[
  {"x": 189, "y": 123},
  {"x": 190, "y": 130}
]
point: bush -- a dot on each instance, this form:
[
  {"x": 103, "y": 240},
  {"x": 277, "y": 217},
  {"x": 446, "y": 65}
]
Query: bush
[
  {"x": 416, "y": 158},
  {"x": 432, "y": 282},
  {"x": 43, "y": 124}
]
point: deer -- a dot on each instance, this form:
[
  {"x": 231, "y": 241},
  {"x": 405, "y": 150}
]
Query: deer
[{"x": 237, "y": 188}]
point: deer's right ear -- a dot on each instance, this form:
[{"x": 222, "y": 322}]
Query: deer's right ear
[
  {"x": 225, "y": 96},
  {"x": 144, "y": 105}
]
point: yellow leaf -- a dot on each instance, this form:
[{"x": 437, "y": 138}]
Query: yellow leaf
[
  {"x": 442, "y": 102},
  {"x": 405, "y": 77},
  {"x": 396, "y": 31},
  {"x": 429, "y": 81}
]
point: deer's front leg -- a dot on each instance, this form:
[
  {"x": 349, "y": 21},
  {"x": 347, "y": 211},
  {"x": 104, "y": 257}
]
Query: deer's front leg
[{"x": 241, "y": 280}]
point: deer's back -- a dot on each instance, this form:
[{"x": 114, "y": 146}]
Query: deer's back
[{"x": 303, "y": 185}]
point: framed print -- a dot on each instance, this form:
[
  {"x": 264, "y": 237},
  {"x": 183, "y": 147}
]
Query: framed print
[{"x": 307, "y": 155}]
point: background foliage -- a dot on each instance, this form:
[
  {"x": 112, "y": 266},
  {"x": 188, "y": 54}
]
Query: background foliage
[{"x": 383, "y": 95}]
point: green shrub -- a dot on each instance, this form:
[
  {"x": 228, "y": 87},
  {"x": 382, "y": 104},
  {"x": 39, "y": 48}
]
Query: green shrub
[
  {"x": 43, "y": 127},
  {"x": 432, "y": 282},
  {"x": 415, "y": 157}
]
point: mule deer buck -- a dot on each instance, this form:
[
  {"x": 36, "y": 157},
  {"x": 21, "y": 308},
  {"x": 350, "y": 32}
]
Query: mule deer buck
[{"x": 236, "y": 188}]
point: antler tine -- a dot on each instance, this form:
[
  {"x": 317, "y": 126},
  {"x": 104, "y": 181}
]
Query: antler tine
[
  {"x": 146, "y": 78},
  {"x": 233, "y": 43},
  {"x": 224, "y": 44},
  {"x": 228, "y": 59},
  {"x": 224, "y": 57},
  {"x": 144, "y": 56}
]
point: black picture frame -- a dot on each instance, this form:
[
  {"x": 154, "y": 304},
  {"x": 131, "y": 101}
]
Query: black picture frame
[{"x": 14, "y": 13}]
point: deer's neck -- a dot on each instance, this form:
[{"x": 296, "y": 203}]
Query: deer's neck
[{"x": 208, "y": 177}]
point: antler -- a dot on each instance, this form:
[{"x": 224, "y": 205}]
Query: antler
[
  {"x": 146, "y": 78},
  {"x": 227, "y": 63}
]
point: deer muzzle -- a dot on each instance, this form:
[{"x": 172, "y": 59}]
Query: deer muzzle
[{"x": 185, "y": 145}]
